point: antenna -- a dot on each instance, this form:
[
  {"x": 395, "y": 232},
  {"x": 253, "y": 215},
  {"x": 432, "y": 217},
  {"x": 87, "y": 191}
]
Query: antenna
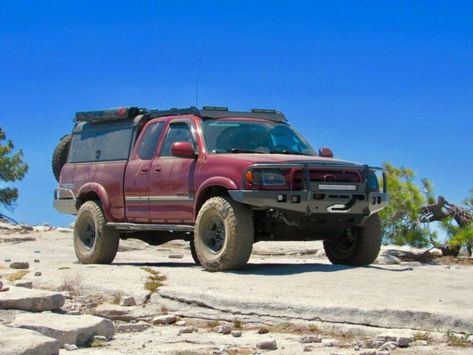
[{"x": 198, "y": 76}]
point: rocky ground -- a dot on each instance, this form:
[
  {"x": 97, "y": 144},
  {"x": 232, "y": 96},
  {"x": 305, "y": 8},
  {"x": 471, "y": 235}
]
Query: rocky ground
[{"x": 289, "y": 300}]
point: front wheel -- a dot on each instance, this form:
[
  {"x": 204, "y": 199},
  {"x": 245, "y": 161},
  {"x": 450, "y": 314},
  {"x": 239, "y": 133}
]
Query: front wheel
[
  {"x": 94, "y": 242},
  {"x": 356, "y": 246},
  {"x": 223, "y": 235}
]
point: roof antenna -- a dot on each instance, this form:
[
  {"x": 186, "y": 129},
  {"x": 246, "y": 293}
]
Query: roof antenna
[{"x": 198, "y": 76}]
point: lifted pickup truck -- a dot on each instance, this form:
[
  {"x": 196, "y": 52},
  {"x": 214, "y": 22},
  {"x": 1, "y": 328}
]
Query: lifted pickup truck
[{"x": 219, "y": 179}]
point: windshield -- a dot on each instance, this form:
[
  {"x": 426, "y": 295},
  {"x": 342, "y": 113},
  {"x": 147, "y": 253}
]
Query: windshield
[{"x": 227, "y": 136}]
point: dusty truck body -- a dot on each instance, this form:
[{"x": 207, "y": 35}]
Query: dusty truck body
[{"x": 220, "y": 179}]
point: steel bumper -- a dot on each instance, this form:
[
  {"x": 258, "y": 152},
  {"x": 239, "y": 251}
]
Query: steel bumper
[{"x": 309, "y": 202}]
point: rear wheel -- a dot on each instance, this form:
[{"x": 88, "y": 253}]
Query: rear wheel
[
  {"x": 94, "y": 242},
  {"x": 357, "y": 245},
  {"x": 223, "y": 235}
]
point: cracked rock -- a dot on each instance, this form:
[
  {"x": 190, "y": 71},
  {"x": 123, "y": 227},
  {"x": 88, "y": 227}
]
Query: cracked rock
[
  {"x": 66, "y": 329},
  {"x": 31, "y": 300},
  {"x": 167, "y": 319},
  {"x": 133, "y": 327},
  {"x": 24, "y": 341}
]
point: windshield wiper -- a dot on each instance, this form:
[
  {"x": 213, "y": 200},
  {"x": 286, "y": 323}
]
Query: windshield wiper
[
  {"x": 242, "y": 150},
  {"x": 288, "y": 152}
]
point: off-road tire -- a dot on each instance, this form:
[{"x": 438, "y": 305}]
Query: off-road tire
[
  {"x": 365, "y": 248},
  {"x": 239, "y": 234},
  {"x": 105, "y": 243},
  {"x": 60, "y": 155},
  {"x": 194, "y": 253}
]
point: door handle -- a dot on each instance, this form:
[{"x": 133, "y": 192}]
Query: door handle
[
  {"x": 157, "y": 168},
  {"x": 144, "y": 170}
]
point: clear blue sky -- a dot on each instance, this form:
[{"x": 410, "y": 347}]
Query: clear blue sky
[{"x": 374, "y": 80}]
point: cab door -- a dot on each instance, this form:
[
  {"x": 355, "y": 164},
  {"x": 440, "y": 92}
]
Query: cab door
[
  {"x": 137, "y": 175},
  {"x": 172, "y": 190}
]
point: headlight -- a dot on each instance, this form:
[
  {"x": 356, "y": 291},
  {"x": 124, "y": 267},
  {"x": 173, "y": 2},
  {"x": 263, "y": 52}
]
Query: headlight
[{"x": 266, "y": 177}]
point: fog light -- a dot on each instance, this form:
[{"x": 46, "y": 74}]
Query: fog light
[{"x": 295, "y": 199}]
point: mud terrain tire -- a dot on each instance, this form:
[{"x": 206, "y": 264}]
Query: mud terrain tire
[
  {"x": 60, "y": 155},
  {"x": 358, "y": 246},
  {"x": 94, "y": 242},
  {"x": 194, "y": 253},
  {"x": 224, "y": 234}
]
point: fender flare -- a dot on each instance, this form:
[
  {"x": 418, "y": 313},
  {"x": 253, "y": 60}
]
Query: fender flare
[
  {"x": 214, "y": 181},
  {"x": 100, "y": 191}
]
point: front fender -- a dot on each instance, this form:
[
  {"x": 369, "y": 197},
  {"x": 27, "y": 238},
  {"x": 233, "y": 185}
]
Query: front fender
[{"x": 214, "y": 181}]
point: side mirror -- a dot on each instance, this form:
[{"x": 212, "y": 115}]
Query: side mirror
[
  {"x": 183, "y": 150},
  {"x": 325, "y": 152}
]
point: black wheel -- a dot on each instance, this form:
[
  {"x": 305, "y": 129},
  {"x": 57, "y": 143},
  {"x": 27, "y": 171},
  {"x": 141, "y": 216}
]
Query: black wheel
[
  {"x": 223, "y": 236},
  {"x": 94, "y": 242},
  {"x": 60, "y": 155},
  {"x": 357, "y": 245},
  {"x": 194, "y": 253}
]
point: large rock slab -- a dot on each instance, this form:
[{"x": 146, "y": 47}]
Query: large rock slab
[
  {"x": 67, "y": 329},
  {"x": 26, "y": 342},
  {"x": 30, "y": 300}
]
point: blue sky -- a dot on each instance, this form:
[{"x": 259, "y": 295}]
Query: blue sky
[{"x": 374, "y": 80}]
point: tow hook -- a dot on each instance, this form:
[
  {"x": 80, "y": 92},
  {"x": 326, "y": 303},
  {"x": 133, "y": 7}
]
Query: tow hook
[{"x": 341, "y": 208}]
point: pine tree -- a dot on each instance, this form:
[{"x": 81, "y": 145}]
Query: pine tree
[{"x": 12, "y": 168}]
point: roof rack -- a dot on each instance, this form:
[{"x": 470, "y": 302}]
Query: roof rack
[
  {"x": 216, "y": 112},
  {"x": 207, "y": 112}
]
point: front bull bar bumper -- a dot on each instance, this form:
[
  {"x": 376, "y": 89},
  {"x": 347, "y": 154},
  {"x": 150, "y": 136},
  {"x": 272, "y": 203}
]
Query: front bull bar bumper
[{"x": 318, "y": 197}]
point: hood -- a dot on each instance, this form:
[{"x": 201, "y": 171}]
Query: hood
[{"x": 282, "y": 158}]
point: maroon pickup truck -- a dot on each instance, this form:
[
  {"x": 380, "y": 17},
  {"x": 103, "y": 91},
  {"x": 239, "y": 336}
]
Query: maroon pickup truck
[{"x": 222, "y": 180}]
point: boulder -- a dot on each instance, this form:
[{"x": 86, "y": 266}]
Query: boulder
[
  {"x": 31, "y": 300},
  {"x": 403, "y": 341},
  {"x": 307, "y": 339},
  {"x": 127, "y": 301},
  {"x": 66, "y": 329},
  {"x": 187, "y": 330},
  {"x": 20, "y": 265},
  {"x": 26, "y": 342},
  {"x": 236, "y": 333},
  {"x": 267, "y": 345},
  {"x": 25, "y": 284},
  {"x": 223, "y": 329}
]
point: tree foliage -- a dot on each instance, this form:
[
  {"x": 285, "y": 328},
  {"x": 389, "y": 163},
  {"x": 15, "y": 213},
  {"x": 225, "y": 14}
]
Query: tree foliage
[
  {"x": 12, "y": 168},
  {"x": 400, "y": 219},
  {"x": 461, "y": 234}
]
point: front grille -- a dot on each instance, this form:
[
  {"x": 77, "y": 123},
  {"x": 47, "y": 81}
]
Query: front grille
[{"x": 328, "y": 176}]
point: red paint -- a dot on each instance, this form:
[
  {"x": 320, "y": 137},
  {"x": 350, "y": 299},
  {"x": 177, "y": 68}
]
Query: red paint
[{"x": 183, "y": 180}]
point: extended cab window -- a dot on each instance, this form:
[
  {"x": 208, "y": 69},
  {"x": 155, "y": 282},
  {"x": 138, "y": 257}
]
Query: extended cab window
[
  {"x": 101, "y": 142},
  {"x": 178, "y": 132},
  {"x": 149, "y": 141}
]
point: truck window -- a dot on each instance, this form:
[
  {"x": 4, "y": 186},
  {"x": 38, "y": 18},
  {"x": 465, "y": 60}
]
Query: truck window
[
  {"x": 178, "y": 132},
  {"x": 101, "y": 142},
  {"x": 149, "y": 141}
]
